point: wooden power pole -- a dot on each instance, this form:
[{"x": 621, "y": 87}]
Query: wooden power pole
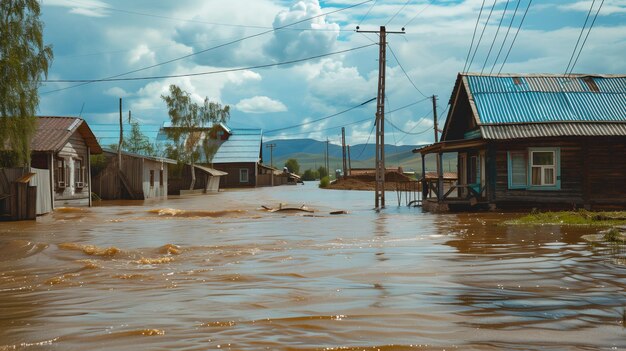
[
  {"x": 271, "y": 146},
  {"x": 343, "y": 149},
  {"x": 379, "y": 199},
  {"x": 121, "y": 142}
]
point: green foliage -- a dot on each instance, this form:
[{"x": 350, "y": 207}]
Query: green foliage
[
  {"x": 322, "y": 171},
  {"x": 310, "y": 174},
  {"x": 136, "y": 142},
  {"x": 23, "y": 60},
  {"x": 580, "y": 217},
  {"x": 189, "y": 121},
  {"x": 613, "y": 235},
  {"x": 98, "y": 163},
  {"x": 324, "y": 182},
  {"x": 293, "y": 166},
  {"x": 8, "y": 158}
]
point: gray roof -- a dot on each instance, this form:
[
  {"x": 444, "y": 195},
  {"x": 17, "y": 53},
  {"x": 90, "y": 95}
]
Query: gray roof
[{"x": 243, "y": 145}]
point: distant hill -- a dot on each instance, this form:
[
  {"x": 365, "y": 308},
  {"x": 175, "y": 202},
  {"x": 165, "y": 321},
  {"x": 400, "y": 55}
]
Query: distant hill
[{"x": 310, "y": 155}]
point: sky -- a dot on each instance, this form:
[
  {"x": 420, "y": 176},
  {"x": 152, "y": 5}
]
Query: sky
[{"x": 316, "y": 65}]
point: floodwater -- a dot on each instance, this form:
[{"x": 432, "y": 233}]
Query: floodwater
[{"x": 217, "y": 272}]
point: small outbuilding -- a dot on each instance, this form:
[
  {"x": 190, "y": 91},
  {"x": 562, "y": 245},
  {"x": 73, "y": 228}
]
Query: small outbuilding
[
  {"x": 239, "y": 155},
  {"x": 139, "y": 178},
  {"x": 533, "y": 141}
]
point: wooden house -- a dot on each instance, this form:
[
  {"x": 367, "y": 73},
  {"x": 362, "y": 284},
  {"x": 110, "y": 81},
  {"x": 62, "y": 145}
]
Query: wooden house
[
  {"x": 62, "y": 146},
  {"x": 239, "y": 155},
  {"x": 533, "y": 141},
  {"x": 140, "y": 177}
]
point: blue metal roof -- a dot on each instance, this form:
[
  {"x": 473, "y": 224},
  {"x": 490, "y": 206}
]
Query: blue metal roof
[
  {"x": 243, "y": 145},
  {"x": 502, "y": 99}
]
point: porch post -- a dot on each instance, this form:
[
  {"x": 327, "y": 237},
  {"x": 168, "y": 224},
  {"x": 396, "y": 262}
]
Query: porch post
[
  {"x": 424, "y": 184},
  {"x": 440, "y": 176}
]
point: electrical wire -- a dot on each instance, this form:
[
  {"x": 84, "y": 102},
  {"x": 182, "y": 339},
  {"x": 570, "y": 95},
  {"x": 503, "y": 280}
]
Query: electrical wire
[
  {"x": 321, "y": 119},
  {"x": 505, "y": 36},
  {"x": 582, "y": 30},
  {"x": 367, "y": 141},
  {"x": 204, "y": 73},
  {"x": 495, "y": 37},
  {"x": 586, "y": 37},
  {"x": 469, "y": 52},
  {"x": 402, "y": 68},
  {"x": 430, "y": 2},
  {"x": 481, "y": 34},
  {"x": 197, "y": 21},
  {"x": 396, "y": 14},
  {"x": 515, "y": 37},
  {"x": 367, "y": 13},
  {"x": 215, "y": 47}
]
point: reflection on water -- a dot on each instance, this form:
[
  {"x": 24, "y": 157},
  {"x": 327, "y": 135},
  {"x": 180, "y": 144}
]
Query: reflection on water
[{"x": 219, "y": 272}]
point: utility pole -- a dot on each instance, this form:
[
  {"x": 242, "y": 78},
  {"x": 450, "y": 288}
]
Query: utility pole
[
  {"x": 343, "y": 150},
  {"x": 379, "y": 199},
  {"x": 327, "y": 160},
  {"x": 349, "y": 162},
  {"x": 121, "y": 142},
  {"x": 439, "y": 155},
  {"x": 271, "y": 146}
]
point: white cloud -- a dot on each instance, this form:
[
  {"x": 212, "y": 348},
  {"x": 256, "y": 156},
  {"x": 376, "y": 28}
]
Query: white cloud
[
  {"x": 116, "y": 91},
  {"x": 260, "y": 104},
  {"x": 291, "y": 44},
  {"x": 89, "y": 8},
  {"x": 609, "y": 7}
]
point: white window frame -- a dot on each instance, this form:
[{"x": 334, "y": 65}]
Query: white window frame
[
  {"x": 244, "y": 176},
  {"x": 556, "y": 167}
]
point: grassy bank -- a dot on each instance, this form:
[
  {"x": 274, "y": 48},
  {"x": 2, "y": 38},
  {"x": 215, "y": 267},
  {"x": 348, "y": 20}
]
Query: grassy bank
[{"x": 581, "y": 217}]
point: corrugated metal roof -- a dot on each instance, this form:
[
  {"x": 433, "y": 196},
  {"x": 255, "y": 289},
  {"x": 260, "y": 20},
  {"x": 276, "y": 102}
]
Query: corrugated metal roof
[
  {"x": 538, "y": 130},
  {"x": 54, "y": 132},
  {"x": 243, "y": 145},
  {"x": 511, "y": 98}
]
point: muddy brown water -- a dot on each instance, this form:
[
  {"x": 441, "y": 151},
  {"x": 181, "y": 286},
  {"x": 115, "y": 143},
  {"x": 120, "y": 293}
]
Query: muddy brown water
[{"x": 217, "y": 272}]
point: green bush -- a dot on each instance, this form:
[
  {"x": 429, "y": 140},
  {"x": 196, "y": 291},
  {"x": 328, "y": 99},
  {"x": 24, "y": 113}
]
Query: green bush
[
  {"x": 324, "y": 182},
  {"x": 310, "y": 174}
]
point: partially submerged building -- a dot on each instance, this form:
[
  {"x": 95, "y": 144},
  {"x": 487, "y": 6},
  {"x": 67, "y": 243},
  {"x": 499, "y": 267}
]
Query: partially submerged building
[
  {"x": 533, "y": 140},
  {"x": 239, "y": 155},
  {"x": 140, "y": 177}
]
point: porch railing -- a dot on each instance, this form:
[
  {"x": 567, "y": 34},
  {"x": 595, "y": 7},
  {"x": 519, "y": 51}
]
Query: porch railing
[{"x": 465, "y": 191}]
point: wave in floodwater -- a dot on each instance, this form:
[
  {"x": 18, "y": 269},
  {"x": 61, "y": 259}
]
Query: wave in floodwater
[{"x": 394, "y": 280}]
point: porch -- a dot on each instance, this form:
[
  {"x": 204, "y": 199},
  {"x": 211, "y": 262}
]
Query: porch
[{"x": 468, "y": 190}]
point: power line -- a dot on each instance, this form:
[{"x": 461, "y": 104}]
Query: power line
[
  {"x": 320, "y": 119},
  {"x": 582, "y": 30},
  {"x": 481, "y": 34},
  {"x": 402, "y": 68},
  {"x": 495, "y": 37},
  {"x": 367, "y": 141},
  {"x": 204, "y": 73},
  {"x": 367, "y": 13},
  {"x": 400, "y": 10},
  {"x": 505, "y": 36},
  {"x": 587, "y": 36},
  {"x": 199, "y": 21},
  {"x": 469, "y": 52},
  {"x": 430, "y": 2},
  {"x": 515, "y": 37},
  {"x": 216, "y": 47}
]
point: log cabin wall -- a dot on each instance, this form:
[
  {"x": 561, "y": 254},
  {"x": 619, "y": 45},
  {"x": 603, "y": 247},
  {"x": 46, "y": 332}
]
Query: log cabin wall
[
  {"x": 592, "y": 173},
  {"x": 232, "y": 180}
]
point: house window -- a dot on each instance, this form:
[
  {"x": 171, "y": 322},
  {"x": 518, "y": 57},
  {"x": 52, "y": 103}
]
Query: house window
[
  {"x": 535, "y": 169},
  {"x": 79, "y": 173},
  {"x": 243, "y": 175},
  {"x": 518, "y": 169},
  {"x": 543, "y": 168},
  {"x": 161, "y": 178},
  {"x": 60, "y": 173},
  {"x": 152, "y": 178}
]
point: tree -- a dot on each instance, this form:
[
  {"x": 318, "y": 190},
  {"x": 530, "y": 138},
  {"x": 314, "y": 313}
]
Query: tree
[
  {"x": 293, "y": 166},
  {"x": 190, "y": 122},
  {"x": 137, "y": 142},
  {"x": 310, "y": 174},
  {"x": 23, "y": 60},
  {"x": 323, "y": 172}
]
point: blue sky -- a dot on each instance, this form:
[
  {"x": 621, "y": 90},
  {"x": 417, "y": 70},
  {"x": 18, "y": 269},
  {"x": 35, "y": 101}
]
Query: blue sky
[{"x": 101, "y": 38}]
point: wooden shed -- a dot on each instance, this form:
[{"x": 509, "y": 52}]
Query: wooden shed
[
  {"x": 140, "y": 177},
  {"x": 534, "y": 141},
  {"x": 207, "y": 180},
  {"x": 239, "y": 155}
]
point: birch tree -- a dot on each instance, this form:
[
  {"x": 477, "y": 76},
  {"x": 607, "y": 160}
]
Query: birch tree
[
  {"x": 190, "y": 123},
  {"x": 24, "y": 60}
]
